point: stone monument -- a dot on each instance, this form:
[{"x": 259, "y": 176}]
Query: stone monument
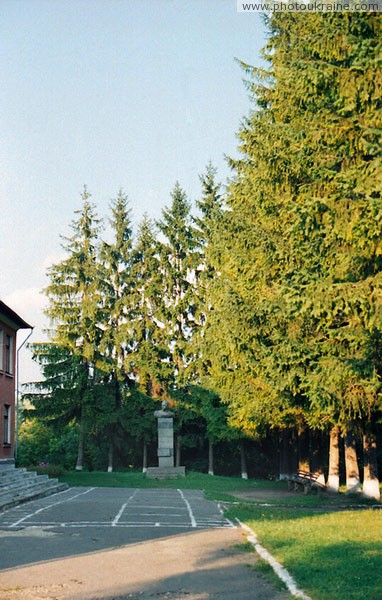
[{"x": 165, "y": 453}]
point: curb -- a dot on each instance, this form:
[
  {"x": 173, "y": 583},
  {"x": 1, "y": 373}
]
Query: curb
[{"x": 280, "y": 571}]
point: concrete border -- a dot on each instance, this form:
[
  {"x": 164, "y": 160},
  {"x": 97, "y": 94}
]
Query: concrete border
[{"x": 280, "y": 571}]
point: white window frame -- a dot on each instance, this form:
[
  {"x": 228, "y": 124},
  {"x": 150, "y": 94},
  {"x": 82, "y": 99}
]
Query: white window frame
[
  {"x": 9, "y": 354},
  {"x": 7, "y": 425}
]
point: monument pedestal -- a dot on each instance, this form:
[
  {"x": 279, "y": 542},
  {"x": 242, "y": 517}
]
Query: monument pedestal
[
  {"x": 165, "y": 451},
  {"x": 165, "y": 472}
]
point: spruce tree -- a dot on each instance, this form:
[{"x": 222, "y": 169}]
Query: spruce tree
[
  {"x": 210, "y": 206},
  {"x": 335, "y": 233},
  {"x": 117, "y": 341},
  {"x": 74, "y": 306},
  {"x": 56, "y": 399},
  {"x": 151, "y": 351},
  {"x": 178, "y": 262},
  {"x": 296, "y": 303}
]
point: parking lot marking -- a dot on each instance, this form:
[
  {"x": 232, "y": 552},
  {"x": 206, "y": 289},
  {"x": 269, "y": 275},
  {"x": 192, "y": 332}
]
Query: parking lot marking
[
  {"x": 177, "y": 511},
  {"x": 16, "y": 523},
  {"x": 124, "y": 525},
  {"x": 119, "y": 515},
  {"x": 192, "y": 518}
]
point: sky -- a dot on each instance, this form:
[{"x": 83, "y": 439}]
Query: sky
[{"x": 114, "y": 94}]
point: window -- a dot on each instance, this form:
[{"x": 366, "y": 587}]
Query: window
[
  {"x": 7, "y": 424},
  {"x": 9, "y": 354},
  {"x": 1, "y": 349}
]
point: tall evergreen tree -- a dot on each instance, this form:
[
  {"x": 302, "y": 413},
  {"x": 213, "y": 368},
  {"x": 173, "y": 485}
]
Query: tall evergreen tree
[
  {"x": 118, "y": 290},
  {"x": 207, "y": 236},
  {"x": 335, "y": 233},
  {"x": 178, "y": 262},
  {"x": 151, "y": 351},
  {"x": 56, "y": 398},
  {"x": 74, "y": 305},
  {"x": 296, "y": 303}
]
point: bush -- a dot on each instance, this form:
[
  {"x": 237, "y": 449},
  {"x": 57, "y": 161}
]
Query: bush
[
  {"x": 34, "y": 441},
  {"x": 41, "y": 445},
  {"x": 49, "y": 469}
]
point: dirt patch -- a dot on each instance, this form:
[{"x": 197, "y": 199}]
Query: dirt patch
[{"x": 263, "y": 495}]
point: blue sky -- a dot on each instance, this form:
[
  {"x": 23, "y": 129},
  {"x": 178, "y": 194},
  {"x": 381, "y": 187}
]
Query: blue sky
[{"x": 117, "y": 94}]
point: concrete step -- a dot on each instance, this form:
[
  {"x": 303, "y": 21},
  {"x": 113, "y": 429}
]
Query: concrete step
[
  {"x": 18, "y": 485},
  {"x": 11, "y": 502},
  {"x": 6, "y": 461},
  {"x": 24, "y": 485},
  {"x": 7, "y": 480},
  {"x": 6, "y": 468}
]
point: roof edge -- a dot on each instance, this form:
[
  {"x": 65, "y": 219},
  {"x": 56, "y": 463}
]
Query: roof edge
[{"x": 14, "y": 317}]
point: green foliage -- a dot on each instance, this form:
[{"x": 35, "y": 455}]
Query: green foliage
[
  {"x": 40, "y": 444},
  {"x": 57, "y": 398},
  {"x": 262, "y": 312},
  {"x": 150, "y": 365},
  {"x": 51, "y": 470},
  {"x": 297, "y": 300},
  {"x": 74, "y": 291},
  {"x": 178, "y": 261},
  {"x": 117, "y": 341}
]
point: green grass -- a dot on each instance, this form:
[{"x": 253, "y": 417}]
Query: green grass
[
  {"x": 264, "y": 568},
  {"x": 215, "y": 488},
  {"x": 332, "y": 556}
]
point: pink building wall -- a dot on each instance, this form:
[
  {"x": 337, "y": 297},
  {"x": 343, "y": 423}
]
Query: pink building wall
[{"x": 10, "y": 323}]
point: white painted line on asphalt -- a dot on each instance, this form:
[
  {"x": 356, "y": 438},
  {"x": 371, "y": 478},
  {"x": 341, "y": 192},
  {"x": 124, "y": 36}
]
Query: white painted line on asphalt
[
  {"x": 36, "y": 512},
  {"x": 222, "y": 513},
  {"x": 119, "y": 515},
  {"x": 142, "y": 525},
  {"x": 21, "y": 507},
  {"x": 124, "y": 525},
  {"x": 280, "y": 571},
  {"x": 167, "y": 507},
  {"x": 192, "y": 518},
  {"x": 142, "y": 514}
]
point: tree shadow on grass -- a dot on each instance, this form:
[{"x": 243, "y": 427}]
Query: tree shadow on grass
[
  {"x": 332, "y": 555},
  {"x": 340, "y": 571}
]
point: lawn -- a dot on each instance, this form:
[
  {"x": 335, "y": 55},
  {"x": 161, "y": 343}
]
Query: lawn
[
  {"x": 332, "y": 556},
  {"x": 215, "y": 488},
  {"x": 333, "y": 552}
]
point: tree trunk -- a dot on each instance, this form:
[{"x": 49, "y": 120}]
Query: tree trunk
[
  {"x": 288, "y": 464},
  {"x": 353, "y": 483},
  {"x": 370, "y": 470},
  {"x": 210, "y": 458},
  {"x": 334, "y": 460},
  {"x": 144, "y": 465},
  {"x": 317, "y": 443},
  {"x": 243, "y": 461},
  {"x": 178, "y": 450},
  {"x": 303, "y": 448},
  {"x": 81, "y": 439},
  {"x": 111, "y": 454}
]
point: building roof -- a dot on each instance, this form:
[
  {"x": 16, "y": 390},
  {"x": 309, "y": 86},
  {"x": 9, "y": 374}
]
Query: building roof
[{"x": 13, "y": 318}]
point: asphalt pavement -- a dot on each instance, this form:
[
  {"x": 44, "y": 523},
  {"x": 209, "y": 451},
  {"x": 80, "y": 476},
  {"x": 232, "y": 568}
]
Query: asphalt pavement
[{"x": 114, "y": 543}]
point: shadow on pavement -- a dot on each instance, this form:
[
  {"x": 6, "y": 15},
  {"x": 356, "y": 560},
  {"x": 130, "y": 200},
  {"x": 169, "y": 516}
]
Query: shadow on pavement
[{"x": 197, "y": 565}]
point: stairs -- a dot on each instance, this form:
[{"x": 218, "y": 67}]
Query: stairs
[{"x": 19, "y": 485}]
